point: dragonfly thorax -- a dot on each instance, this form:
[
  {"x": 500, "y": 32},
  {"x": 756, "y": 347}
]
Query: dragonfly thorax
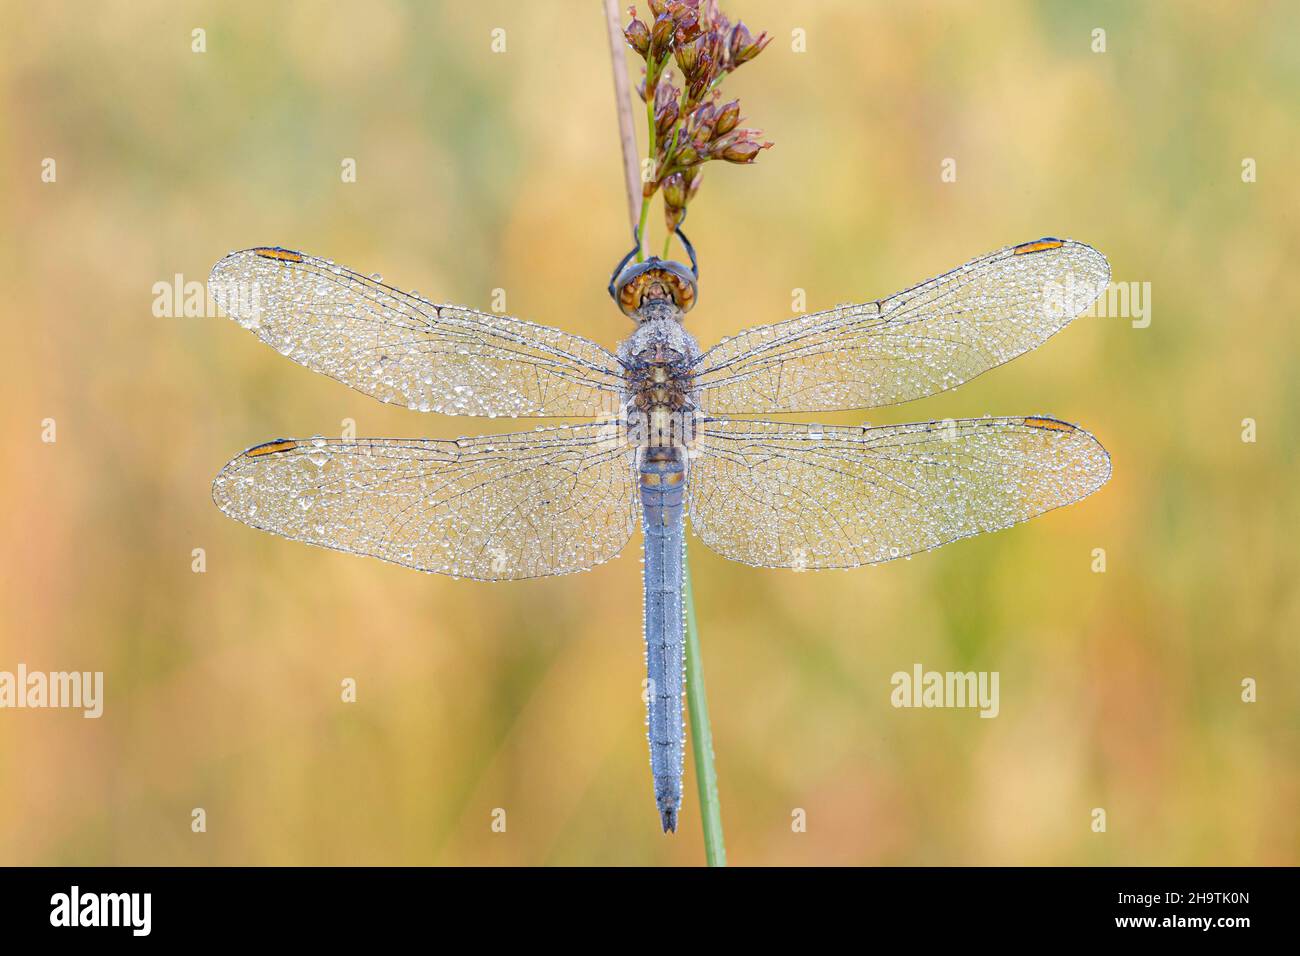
[
  {"x": 659, "y": 359},
  {"x": 659, "y": 339}
]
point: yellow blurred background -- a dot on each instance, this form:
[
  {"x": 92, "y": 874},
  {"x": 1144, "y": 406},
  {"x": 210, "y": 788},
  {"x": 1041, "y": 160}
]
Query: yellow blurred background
[{"x": 479, "y": 171}]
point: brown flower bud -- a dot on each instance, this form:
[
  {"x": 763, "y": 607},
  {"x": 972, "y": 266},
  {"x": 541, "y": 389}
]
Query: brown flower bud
[
  {"x": 740, "y": 146},
  {"x": 688, "y": 58},
  {"x": 664, "y": 90},
  {"x": 673, "y": 217},
  {"x": 688, "y": 155},
  {"x": 675, "y": 191},
  {"x": 702, "y": 121},
  {"x": 666, "y": 116},
  {"x": 688, "y": 28},
  {"x": 744, "y": 46},
  {"x": 661, "y": 37},
  {"x": 658, "y": 7},
  {"x": 728, "y": 117},
  {"x": 637, "y": 34},
  {"x": 704, "y": 75}
]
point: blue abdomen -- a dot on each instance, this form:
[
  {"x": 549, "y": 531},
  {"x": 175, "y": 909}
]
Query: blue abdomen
[{"x": 663, "y": 488}]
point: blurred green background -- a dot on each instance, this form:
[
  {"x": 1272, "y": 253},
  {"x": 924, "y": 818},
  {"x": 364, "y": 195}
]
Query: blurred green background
[{"x": 479, "y": 170}]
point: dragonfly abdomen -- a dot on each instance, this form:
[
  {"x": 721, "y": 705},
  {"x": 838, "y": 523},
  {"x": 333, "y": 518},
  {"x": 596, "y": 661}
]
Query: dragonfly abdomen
[{"x": 663, "y": 487}]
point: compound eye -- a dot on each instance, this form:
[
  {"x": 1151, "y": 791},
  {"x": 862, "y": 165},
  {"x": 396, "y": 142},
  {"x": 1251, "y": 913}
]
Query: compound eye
[
  {"x": 629, "y": 294},
  {"x": 683, "y": 293}
]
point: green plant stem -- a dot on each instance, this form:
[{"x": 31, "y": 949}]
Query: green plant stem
[
  {"x": 650, "y": 153},
  {"x": 706, "y": 777},
  {"x": 653, "y": 72},
  {"x": 645, "y": 210}
]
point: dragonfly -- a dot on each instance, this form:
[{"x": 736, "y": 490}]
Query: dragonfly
[{"x": 668, "y": 431}]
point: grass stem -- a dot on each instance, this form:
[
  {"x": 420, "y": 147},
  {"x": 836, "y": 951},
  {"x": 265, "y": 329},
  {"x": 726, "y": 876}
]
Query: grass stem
[
  {"x": 623, "y": 102},
  {"x": 697, "y": 704}
]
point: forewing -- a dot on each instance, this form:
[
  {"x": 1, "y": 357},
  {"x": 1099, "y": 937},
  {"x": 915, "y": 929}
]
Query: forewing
[
  {"x": 810, "y": 496},
  {"x": 407, "y": 351},
  {"x": 932, "y": 337},
  {"x": 494, "y": 508}
]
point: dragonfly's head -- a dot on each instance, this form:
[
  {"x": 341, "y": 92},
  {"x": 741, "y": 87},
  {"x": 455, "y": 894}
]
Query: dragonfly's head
[
  {"x": 643, "y": 284},
  {"x": 654, "y": 286}
]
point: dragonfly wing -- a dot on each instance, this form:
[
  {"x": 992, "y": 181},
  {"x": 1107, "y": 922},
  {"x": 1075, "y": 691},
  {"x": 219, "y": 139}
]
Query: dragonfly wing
[
  {"x": 932, "y": 337},
  {"x": 494, "y": 508},
  {"x": 407, "y": 351},
  {"x": 811, "y": 496}
]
